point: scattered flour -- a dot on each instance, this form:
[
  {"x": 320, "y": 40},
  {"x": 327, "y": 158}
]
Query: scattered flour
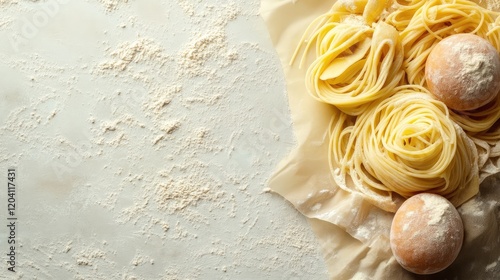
[
  {"x": 474, "y": 207},
  {"x": 493, "y": 5},
  {"x": 88, "y": 257},
  {"x": 436, "y": 208},
  {"x": 478, "y": 70},
  {"x": 152, "y": 132},
  {"x": 491, "y": 266},
  {"x": 350, "y": 5},
  {"x": 142, "y": 50},
  {"x": 199, "y": 51},
  {"x": 5, "y": 2},
  {"x": 111, "y": 5},
  {"x": 140, "y": 259},
  {"x": 175, "y": 194}
]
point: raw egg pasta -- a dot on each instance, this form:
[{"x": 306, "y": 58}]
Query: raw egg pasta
[
  {"x": 403, "y": 13},
  {"x": 356, "y": 63},
  {"x": 424, "y": 23},
  {"x": 476, "y": 122},
  {"x": 405, "y": 144},
  {"x": 390, "y": 138}
]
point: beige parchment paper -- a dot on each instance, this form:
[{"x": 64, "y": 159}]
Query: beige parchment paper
[{"x": 352, "y": 233}]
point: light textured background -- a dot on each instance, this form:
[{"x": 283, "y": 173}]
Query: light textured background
[{"x": 144, "y": 132}]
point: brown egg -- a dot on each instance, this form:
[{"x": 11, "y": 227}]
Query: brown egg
[
  {"x": 426, "y": 234},
  {"x": 463, "y": 71}
]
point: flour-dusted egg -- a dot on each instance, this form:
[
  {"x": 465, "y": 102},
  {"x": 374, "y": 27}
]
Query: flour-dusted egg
[
  {"x": 426, "y": 234},
  {"x": 463, "y": 71}
]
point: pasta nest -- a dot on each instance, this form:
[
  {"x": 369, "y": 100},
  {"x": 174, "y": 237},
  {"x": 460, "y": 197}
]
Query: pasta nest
[
  {"x": 405, "y": 144},
  {"x": 389, "y": 137}
]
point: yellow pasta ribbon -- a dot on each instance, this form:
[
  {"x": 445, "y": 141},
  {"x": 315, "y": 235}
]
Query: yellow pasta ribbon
[{"x": 404, "y": 145}]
